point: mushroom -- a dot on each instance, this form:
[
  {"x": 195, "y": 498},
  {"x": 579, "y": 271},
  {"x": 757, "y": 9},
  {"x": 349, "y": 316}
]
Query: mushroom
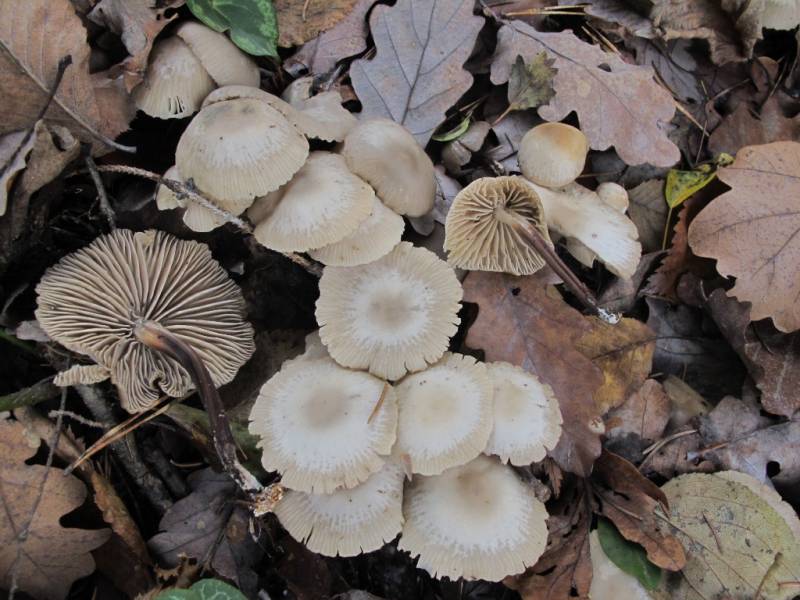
[
  {"x": 476, "y": 521},
  {"x": 323, "y": 426},
  {"x": 388, "y": 157},
  {"x": 781, "y": 14},
  {"x": 390, "y": 316},
  {"x": 347, "y": 522},
  {"x": 527, "y": 419},
  {"x": 615, "y": 196},
  {"x": 322, "y": 204},
  {"x": 226, "y": 64},
  {"x": 553, "y": 154},
  {"x": 479, "y": 229},
  {"x": 445, "y": 414},
  {"x": 195, "y": 216},
  {"x": 95, "y": 300}
]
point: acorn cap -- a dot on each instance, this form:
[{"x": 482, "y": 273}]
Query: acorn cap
[
  {"x": 347, "y": 521},
  {"x": 390, "y": 316},
  {"x": 445, "y": 416},
  {"x": 322, "y": 204},
  {"x": 375, "y": 237},
  {"x": 388, "y": 157},
  {"x": 175, "y": 82},
  {"x": 553, "y": 154},
  {"x": 313, "y": 418},
  {"x": 476, "y": 521},
  {"x": 226, "y": 64},
  {"x": 479, "y": 229},
  {"x": 527, "y": 419}
]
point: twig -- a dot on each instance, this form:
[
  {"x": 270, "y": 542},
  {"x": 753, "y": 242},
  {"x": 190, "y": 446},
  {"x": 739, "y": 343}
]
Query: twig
[
  {"x": 713, "y": 531},
  {"x": 767, "y": 573},
  {"x": 76, "y": 417},
  {"x": 379, "y": 403},
  {"x": 15, "y": 341},
  {"x": 105, "y": 205},
  {"x": 38, "y": 392}
]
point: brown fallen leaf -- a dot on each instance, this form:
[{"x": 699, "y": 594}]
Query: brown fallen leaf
[
  {"x": 417, "y": 73},
  {"x": 622, "y": 294},
  {"x": 648, "y": 211},
  {"x": 619, "y": 12},
  {"x": 14, "y": 150},
  {"x": 618, "y": 104},
  {"x": 676, "y": 67},
  {"x": 302, "y": 20},
  {"x": 509, "y": 133},
  {"x": 645, "y": 414}
]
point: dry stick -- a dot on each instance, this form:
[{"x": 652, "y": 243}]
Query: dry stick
[{"x": 105, "y": 205}]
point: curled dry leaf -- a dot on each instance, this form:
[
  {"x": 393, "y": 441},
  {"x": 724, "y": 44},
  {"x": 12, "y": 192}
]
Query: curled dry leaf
[{"x": 302, "y": 20}]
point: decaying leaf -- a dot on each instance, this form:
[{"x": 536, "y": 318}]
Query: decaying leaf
[
  {"x": 531, "y": 83},
  {"x": 673, "y": 63},
  {"x": 510, "y": 132},
  {"x": 14, "y": 149},
  {"x": 302, "y": 20},
  {"x": 648, "y": 212},
  {"x": 645, "y": 413},
  {"x": 417, "y": 71},
  {"x": 619, "y": 12}
]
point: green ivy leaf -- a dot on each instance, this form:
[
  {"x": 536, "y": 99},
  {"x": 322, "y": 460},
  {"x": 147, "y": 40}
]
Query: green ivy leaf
[
  {"x": 205, "y": 589},
  {"x": 628, "y": 556},
  {"x": 253, "y": 24}
]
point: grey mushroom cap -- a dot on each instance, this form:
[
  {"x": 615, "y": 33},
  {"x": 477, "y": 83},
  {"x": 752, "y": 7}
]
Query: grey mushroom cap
[{"x": 226, "y": 64}]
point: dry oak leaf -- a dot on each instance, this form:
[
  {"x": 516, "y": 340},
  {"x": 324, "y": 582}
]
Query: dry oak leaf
[
  {"x": 648, "y": 211},
  {"x": 645, "y": 413},
  {"x": 752, "y": 231},
  {"x": 51, "y": 557},
  {"x": 417, "y": 73},
  {"x": 618, "y": 104},
  {"x": 520, "y": 323},
  {"x": 619, "y": 12},
  {"x": 303, "y": 20}
]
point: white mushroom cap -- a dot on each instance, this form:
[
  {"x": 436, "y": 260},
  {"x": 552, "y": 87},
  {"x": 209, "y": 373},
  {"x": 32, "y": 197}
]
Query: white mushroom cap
[
  {"x": 322, "y": 204},
  {"x": 527, "y": 419},
  {"x": 226, "y": 64},
  {"x": 317, "y": 427},
  {"x": 236, "y": 150},
  {"x": 553, "y": 154},
  {"x": 390, "y": 316},
  {"x": 477, "y": 521},
  {"x": 374, "y": 237},
  {"x": 445, "y": 416},
  {"x": 347, "y": 521},
  {"x": 387, "y": 156},
  {"x": 479, "y": 232},
  {"x": 781, "y": 14},
  {"x": 615, "y": 196},
  {"x": 175, "y": 82}
]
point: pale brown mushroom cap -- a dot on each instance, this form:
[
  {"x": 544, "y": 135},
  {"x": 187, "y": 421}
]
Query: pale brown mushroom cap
[
  {"x": 390, "y": 316},
  {"x": 92, "y": 299},
  {"x": 374, "y": 237},
  {"x": 236, "y": 150},
  {"x": 476, "y": 521},
  {"x": 388, "y": 157},
  {"x": 313, "y": 418},
  {"x": 323, "y": 203},
  {"x": 175, "y": 82},
  {"x": 527, "y": 419},
  {"x": 553, "y": 154},
  {"x": 226, "y": 64},
  {"x": 479, "y": 231},
  {"x": 445, "y": 414},
  {"x": 347, "y": 521},
  {"x": 614, "y": 195}
]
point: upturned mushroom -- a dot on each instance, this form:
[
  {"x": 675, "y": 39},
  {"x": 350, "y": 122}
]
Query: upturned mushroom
[
  {"x": 553, "y": 154},
  {"x": 613, "y": 195}
]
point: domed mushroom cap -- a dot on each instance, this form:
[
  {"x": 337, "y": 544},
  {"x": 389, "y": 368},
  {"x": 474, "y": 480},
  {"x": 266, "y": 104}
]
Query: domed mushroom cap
[
  {"x": 479, "y": 231},
  {"x": 614, "y": 195},
  {"x": 374, "y": 237},
  {"x": 175, "y": 82},
  {"x": 236, "y": 150},
  {"x": 527, "y": 419},
  {"x": 477, "y": 521},
  {"x": 226, "y": 64},
  {"x": 553, "y": 154},
  {"x": 388, "y": 157},
  {"x": 390, "y": 316},
  {"x": 92, "y": 299},
  {"x": 322, "y": 204},
  {"x": 347, "y": 521},
  {"x": 445, "y": 416},
  {"x": 317, "y": 428}
]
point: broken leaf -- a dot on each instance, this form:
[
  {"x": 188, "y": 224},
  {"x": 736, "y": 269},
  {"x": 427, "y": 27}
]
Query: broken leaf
[
  {"x": 253, "y": 24},
  {"x": 645, "y": 413},
  {"x": 302, "y": 20},
  {"x": 530, "y": 84},
  {"x": 629, "y": 557}
]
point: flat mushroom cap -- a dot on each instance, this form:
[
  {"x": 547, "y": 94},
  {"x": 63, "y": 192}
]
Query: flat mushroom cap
[
  {"x": 527, "y": 419},
  {"x": 477, "y": 521},
  {"x": 92, "y": 299},
  {"x": 781, "y": 14},
  {"x": 175, "y": 82},
  {"x": 347, "y": 521},
  {"x": 479, "y": 231},
  {"x": 445, "y": 414},
  {"x": 390, "y": 316},
  {"x": 322, "y": 204},
  {"x": 553, "y": 154},
  {"x": 236, "y": 150},
  {"x": 226, "y": 64},
  {"x": 375, "y": 237},
  {"x": 313, "y": 418},
  {"x": 388, "y": 157}
]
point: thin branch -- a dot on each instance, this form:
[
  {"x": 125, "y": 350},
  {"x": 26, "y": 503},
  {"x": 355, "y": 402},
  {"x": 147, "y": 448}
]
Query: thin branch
[
  {"x": 38, "y": 392},
  {"x": 105, "y": 205}
]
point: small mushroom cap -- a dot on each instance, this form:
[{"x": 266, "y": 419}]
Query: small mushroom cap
[
  {"x": 313, "y": 418},
  {"x": 347, "y": 521},
  {"x": 387, "y": 156},
  {"x": 175, "y": 82},
  {"x": 476, "y": 521},
  {"x": 527, "y": 419},
  {"x": 374, "y": 237},
  {"x": 226, "y": 64},
  {"x": 445, "y": 414},
  {"x": 390, "y": 316},
  {"x": 81, "y": 375},
  {"x": 236, "y": 150},
  {"x": 553, "y": 154},
  {"x": 479, "y": 232},
  {"x": 614, "y": 195}
]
